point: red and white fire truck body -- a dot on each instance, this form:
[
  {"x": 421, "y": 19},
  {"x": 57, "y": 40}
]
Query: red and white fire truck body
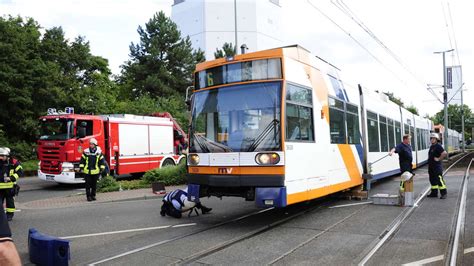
[{"x": 131, "y": 144}]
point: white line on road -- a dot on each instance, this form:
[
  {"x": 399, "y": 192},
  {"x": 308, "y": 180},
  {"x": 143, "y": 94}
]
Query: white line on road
[
  {"x": 183, "y": 225},
  {"x": 433, "y": 259},
  {"x": 351, "y": 204},
  {"x": 425, "y": 261},
  {"x": 128, "y": 231},
  {"x": 468, "y": 250}
]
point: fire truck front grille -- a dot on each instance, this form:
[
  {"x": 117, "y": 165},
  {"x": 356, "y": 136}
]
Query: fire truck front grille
[
  {"x": 51, "y": 167},
  {"x": 50, "y": 159}
]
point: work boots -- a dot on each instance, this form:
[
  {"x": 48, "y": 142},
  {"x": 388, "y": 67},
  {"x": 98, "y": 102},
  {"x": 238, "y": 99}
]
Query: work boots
[
  {"x": 203, "y": 208},
  {"x": 433, "y": 194}
]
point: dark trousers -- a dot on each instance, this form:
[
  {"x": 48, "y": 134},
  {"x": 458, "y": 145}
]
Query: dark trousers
[
  {"x": 437, "y": 182},
  {"x": 91, "y": 184},
  {"x": 7, "y": 194}
]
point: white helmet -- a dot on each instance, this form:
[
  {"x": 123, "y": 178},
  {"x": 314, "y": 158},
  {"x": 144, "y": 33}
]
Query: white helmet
[
  {"x": 4, "y": 151},
  {"x": 93, "y": 141},
  {"x": 434, "y": 135},
  {"x": 406, "y": 176}
]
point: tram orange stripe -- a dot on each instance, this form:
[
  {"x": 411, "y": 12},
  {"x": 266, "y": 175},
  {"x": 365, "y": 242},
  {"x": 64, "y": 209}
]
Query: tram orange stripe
[
  {"x": 238, "y": 170},
  {"x": 349, "y": 161}
]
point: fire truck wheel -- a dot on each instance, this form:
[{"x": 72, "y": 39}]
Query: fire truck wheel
[{"x": 167, "y": 162}]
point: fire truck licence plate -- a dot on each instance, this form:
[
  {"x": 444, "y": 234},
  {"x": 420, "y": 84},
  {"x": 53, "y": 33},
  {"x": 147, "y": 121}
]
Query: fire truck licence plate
[{"x": 50, "y": 177}]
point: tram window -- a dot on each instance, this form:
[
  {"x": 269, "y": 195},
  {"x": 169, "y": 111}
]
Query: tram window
[
  {"x": 418, "y": 139},
  {"x": 398, "y": 132},
  {"x": 383, "y": 133},
  {"x": 337, "y": 126},
  {"x": 237, "y": 72},
  {"x": 352, "y": 118},
  {"x": 299, "y": 95},
  {"x": 337, "y": 87},
  {"x": 299, "y": 113},
  {"x": 299, "y": 120},
  {"x": 413, "y": 139},
  {"x": 373, "y": 132},
  {"x": 391, "y": 136},
  {"x": 407, "y": 129}
]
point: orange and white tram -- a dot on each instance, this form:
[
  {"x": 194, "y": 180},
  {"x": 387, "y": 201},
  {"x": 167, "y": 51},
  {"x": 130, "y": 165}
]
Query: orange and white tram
[{"x": 280, "y": 127}]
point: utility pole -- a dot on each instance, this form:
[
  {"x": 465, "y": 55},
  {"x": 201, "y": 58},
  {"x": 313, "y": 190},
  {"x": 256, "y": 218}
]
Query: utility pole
[
  {"x": 463, "y": 144},
  {"x": 445, "y": 101},
  {"x": 235, "y": 24}
]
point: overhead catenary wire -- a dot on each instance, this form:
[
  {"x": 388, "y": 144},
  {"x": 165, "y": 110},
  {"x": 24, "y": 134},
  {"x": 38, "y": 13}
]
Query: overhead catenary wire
[
  {"x": 358, "y": 43},
  {"x": 346, "y": 10}
]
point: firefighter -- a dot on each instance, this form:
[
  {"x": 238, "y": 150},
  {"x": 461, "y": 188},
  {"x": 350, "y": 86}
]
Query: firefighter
[
  {"x": 435, "y": 169},
  {"x": 405, "y": 157},
  {"x": 8, "y": 252},
  {"x": 92, "y": 165},
  {"x": 176, "y": 202},
  {"x": 10, "y": 172}
]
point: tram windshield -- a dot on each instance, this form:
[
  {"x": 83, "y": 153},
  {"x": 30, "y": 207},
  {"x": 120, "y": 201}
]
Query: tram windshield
[{"x": 240, "y": 118}]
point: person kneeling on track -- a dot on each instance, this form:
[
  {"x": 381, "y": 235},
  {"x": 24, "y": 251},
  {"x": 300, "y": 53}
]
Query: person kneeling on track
[{"x": 176, "y": 202}]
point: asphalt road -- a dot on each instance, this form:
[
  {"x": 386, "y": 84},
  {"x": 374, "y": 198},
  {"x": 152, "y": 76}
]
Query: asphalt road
[{"x": 326, "y": 235}]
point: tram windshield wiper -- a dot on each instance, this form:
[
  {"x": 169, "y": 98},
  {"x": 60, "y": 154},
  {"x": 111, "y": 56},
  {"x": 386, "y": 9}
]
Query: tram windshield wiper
[
  {"x": 208, "y": 144},
  {"x": 262, "y": 136}
]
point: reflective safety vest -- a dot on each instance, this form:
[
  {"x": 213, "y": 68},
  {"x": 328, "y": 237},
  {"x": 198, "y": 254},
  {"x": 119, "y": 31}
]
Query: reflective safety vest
[
  {"x": 11, "y": 169},
  {"x": 92, "y": 162}
]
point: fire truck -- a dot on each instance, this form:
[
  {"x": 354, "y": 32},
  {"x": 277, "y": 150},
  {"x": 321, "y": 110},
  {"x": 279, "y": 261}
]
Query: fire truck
[{"x": 131, "y": 144}]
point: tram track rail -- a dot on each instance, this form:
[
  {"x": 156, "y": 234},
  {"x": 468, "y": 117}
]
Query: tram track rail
[
  {"x": 453, "y": 251},
  {"x": 390, "y": 231}
]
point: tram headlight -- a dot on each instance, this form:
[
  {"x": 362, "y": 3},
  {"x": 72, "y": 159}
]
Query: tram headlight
[
  {"x": 193, "y": 159},
  {"x": 267, "y": 158}
]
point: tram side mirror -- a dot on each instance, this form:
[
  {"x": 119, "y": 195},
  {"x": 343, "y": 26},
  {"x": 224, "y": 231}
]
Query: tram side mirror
[
  {"x": 81, "y": 132},
  {"x": 189, "y": 97}
]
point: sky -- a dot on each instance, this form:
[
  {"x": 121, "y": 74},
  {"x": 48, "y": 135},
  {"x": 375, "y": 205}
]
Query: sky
[{"x": 410, "y": 30}]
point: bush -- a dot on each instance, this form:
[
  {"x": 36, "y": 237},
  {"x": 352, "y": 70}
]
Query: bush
[
  {"x": 108, "y": 184},
  {"x": 29, "y": 166},
  {"x": 168, "y": 175},
  {"x": 133, "y": 184},
  {"x": 23, "y": 151}
]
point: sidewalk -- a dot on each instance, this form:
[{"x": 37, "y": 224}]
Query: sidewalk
[{"x": 79, "y": 199}]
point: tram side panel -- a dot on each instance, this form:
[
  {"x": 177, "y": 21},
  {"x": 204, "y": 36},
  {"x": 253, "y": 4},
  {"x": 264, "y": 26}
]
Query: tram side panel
[{"x": 315, "y": 168}]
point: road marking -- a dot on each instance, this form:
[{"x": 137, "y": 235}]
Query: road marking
[
  {"x": 183, "y": 225},
  {"x": 351, "y": 204},
  {"x": 433, "y": 259},
  {"x": 425, "y": 261},
  {"x": 128, "y": 231},
  {"x": 468, "y": 250},
  {"x": 17, "y": 210}
]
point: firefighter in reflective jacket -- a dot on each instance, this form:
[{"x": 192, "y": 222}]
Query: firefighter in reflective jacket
[
  {"x": 10, "y": 172},
  {"x": 92, "y": 165},
  {"x": 176, "y": 202}
]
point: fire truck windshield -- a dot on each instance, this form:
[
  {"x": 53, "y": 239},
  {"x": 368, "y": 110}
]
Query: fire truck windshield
[
  {"x": 240, "y": 118},
  {"x": 57, "y": 129}
]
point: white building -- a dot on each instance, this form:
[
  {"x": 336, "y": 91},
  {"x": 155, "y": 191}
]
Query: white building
[{"x": 211, "y": 23}]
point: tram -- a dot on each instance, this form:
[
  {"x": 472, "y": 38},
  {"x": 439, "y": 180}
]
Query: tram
[{"x": 280, "y": 127}]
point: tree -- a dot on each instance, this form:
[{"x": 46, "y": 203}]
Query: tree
[
  {"x": 455, "y": 119},
  {"x": 394, "y": 99},
  {"x": 227, "y": 50},
  {"x": 162, "y": 63},
  {"x": 38, "y": 72},
  {"x": 412, "y": 109}
]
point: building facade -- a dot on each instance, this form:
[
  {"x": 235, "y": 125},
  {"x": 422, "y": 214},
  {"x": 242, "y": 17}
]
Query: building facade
[{"x": 211, "y": 23}]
